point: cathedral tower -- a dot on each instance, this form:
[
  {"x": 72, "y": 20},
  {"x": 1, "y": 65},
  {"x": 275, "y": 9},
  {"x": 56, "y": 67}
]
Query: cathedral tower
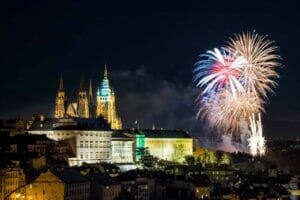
[
  {"x": 82, "y": 101},
  {"x": 60, "y": 100},
  {"x": 91, "y": 101},
  {"x": 105, "y": 103}
]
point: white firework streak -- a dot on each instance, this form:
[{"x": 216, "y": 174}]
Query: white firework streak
[
  {"x": 256, "y": 139},
  {"x": 226, "y": 69},
  {"x": 259, "y": 72}
]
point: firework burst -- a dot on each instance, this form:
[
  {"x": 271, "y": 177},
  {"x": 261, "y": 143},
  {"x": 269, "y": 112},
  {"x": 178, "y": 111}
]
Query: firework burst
[
  {"x": 260, "y": 53},
  {"x": 219, "y": 70},
  {"x": 236, "y": 80}
]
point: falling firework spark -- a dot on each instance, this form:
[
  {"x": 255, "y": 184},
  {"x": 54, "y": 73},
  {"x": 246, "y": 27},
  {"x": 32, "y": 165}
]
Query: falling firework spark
[
  {"x": 227, "y": 113},
  {"x": 256, "y": 140}
]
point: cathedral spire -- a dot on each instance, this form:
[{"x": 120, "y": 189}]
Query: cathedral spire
[
  {"x": 90, "y": 92},
  {"x": 81, "y": 86},
  {"x": 60, "y": 100},
  {"x": 61, "y": 83},
  {"x": 105, "y": 72},
  {"x": 82, "y": 101}
]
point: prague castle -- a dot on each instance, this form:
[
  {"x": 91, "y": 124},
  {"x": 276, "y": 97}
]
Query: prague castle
[
  {"x": 93, "y": 130},
  {"x": 104, "y": 105}
]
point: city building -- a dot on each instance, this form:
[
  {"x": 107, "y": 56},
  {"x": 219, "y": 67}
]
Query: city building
[
  {"x": 12, "y": 179},
  {"x": 35, "y": 150},
  {"x": 86, "y": 106},
  {"x": 89, "y": 140},
  {"x": 201, "y": 187},
  {"x": 104, "y": 187},
  {"x": 221, "y": 173},
  {"x": 65, "y": 184},
  {"x": 135, "y": 184},
  {"x": 13, "y": 126}
]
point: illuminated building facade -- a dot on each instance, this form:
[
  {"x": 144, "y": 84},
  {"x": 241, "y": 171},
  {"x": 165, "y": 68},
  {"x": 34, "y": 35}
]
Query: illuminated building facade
[
  {"x": 172, "y": 145},
  {"x": 122, "y": 148},
  {"x": 11, "y": 178},
  {"x": 66, "y": 184},
  {"x": 89, "y": 139},
  {"x": 169, "y": 144},
  {"x": 86, "y": 107}
]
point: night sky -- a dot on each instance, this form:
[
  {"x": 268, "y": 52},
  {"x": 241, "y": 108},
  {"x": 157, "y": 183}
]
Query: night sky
[{"x": 150, "y": 49}]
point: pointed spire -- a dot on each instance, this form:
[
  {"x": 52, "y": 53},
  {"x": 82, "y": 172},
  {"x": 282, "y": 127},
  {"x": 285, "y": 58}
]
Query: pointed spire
[
  {"x": 81, "y": 86},
  {"x": 105, "y": 71},
  {"x": 61, "y": 83},
  {"x": 90, "y": 91},
  {"x": 153, "y": 126}
]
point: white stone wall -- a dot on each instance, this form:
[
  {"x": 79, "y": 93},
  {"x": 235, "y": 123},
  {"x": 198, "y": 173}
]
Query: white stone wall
[
  {"x": 122, "y": 151},
  {"x": 93, "y": 146}
]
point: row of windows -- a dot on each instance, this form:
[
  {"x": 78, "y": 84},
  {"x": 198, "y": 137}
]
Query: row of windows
[
  {"x": 123, "y": 151},
  {"x": 12, "y": 174},
  {"x": 96, "y": 155},
  {"x": 96, "y": 134},
  {"x": 37, "y": 148},
  {"x": 84, "y": 134},
  {"x": 12, "y": 183},
  {"x": 63, "y": 134},
  {"x": 91, "y": 144},
  {"x": 78, "y": 188},
  {"x": 110, "y": 193},
  {"x": 122, "y": 145}
]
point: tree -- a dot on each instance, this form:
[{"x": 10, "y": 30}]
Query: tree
[
  {"x": 178, "y": 153},
  {"x": 147, "y": 160},
  {"x": 189, "y": 159},
  {"x": 219, "y": 155},
  {"x": 205, "y": 155},
  {"x": 226, "y": 158}
]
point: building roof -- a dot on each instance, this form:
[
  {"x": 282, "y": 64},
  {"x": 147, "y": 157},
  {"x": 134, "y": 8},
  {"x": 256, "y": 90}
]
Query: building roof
[
  {"x": 104, "y": 179},
  {"x": 69, "y": 124},
  {"x": 5, "y": 162},
  {"x": 23, "y": 139},
  {"x": 165, "y": 134},
  {"x": 130, "y": 175},
  {"x": 70, "y": 176},
  {"x": 161, "y": 133},
  {"x": 120, "y": 135}
]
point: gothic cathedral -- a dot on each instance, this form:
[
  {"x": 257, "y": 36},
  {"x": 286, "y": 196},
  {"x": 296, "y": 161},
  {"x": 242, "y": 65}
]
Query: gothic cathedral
[{"x": 86, "y": 107}]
